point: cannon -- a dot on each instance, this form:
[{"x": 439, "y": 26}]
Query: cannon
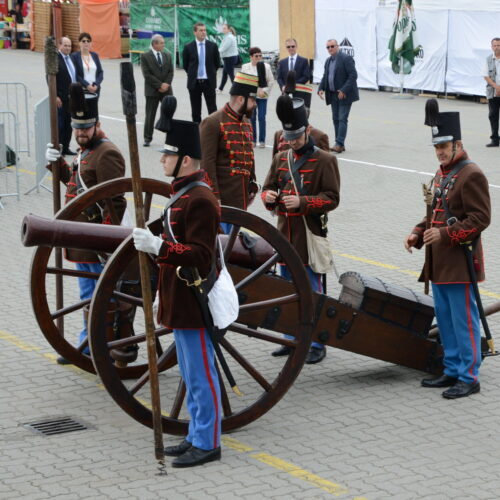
[{"x": 370, "y": 317}]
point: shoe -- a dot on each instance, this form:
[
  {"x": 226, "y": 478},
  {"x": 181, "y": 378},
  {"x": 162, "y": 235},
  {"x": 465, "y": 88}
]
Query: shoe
[
  {"x": 146, "y": 144},
  {"x": 196, "y": 456},
  {"x": 337, "y": 148},
  {"x": 63, "y": 361},
  {"x": 282, "y": 351},
  {"x": 262, "y": 144},
  {"x": 442, "y": 381},
  {"x": 177, "y": 450},
  {"x": 68, "y": 152},
  {"x": 461, "y": 390},
  {"x": 492, "y": 144},
  {"x": 315, "y": 355}
]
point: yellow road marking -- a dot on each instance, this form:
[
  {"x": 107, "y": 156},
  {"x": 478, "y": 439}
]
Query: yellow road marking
[
  {"x": 392, "y": 267},
  {"x": 230, "y": 442},
  {"x": 293, "y": 470}
]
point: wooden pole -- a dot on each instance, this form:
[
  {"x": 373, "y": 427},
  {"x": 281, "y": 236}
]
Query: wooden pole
[
  {"x": 130, "y": 110},
  {"x": 427, "y": 190},
  {"x": 51, "y": 69}
]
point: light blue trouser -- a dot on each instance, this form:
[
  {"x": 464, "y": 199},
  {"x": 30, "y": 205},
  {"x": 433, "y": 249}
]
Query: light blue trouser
[
  {"x": 87, "y": 287},
  {"x": 196, "y": 359},
  {"x": 458, "y": 320},
  {"x": 316, "y": 283}
]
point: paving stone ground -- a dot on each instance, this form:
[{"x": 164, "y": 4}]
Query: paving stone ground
[{"x": 351, "y": 427}]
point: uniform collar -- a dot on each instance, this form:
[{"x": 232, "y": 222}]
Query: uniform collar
[
  {"x": 181, "y": 182},
  {"x": 232, "y": 113}
]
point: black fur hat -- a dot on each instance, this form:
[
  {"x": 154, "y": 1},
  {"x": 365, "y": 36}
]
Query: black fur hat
[
  {"x": 445, "y": 126},
  {"x": 293, "y": 116},
  {"x": 261, "y": 73},
  {"x": 83, "y": 107},
  {"x": 167, "y": 110}
]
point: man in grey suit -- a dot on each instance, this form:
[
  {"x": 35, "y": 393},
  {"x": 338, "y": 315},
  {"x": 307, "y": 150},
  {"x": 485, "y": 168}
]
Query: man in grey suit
[
  {"x": 158, "y": 72},
  {"x": 338, "y": 86}
]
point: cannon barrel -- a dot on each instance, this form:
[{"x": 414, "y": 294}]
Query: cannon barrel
[
  {"x": 39, "y": 231},
  {"x": 248, "y": 251}
]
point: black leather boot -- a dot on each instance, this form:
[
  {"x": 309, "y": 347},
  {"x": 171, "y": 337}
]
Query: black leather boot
[
  {"x": 282, "y": 351},
  {"x": 177, "y": 450},
  {"x": 196, "y": 456},
  {"x": 442, "y": 381},
  {"x": 461, "y": 390}
]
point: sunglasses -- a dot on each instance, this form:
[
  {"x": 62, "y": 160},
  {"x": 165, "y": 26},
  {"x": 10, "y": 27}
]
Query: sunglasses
[
  {"x": 330, "y": 46},
  {"x": 290, "y": 46}
]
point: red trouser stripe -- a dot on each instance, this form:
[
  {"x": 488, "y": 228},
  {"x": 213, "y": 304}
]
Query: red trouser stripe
[
  {"x": 471, "y": 330},
  {"x": 212, "y": 386}
]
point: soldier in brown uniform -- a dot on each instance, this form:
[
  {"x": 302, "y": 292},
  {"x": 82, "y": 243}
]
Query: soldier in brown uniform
[
  {"x": 227, "y": 145},
  {"x": 318, "y": 181},
  {"x": 301, "y": 91},
  {"x": 461, "y": 212},
  {"x": 191, "y": 223},
  {"x": 98, "y": 160}
]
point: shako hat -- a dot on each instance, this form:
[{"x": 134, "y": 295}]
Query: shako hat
[
  {"x": 245, "y": 85},
  {"x": 445, "y": 126},
  {"x": 183, "y": 137},
  {"x": 300, "y": 90},
  {"x": 83, "y": 107},
  {"x": 293, "y": 116}
]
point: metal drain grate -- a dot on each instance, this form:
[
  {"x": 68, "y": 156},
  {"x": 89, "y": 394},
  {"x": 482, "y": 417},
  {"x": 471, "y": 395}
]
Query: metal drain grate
[{"x": 54, "y": 426}]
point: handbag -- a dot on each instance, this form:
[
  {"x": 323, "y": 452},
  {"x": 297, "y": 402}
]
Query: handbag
[
  {"x": 320, "y": 256},
  {"x": 223, "y": 298}
]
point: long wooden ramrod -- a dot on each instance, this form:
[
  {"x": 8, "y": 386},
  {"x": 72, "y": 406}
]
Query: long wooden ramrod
[
  {"x": 51, "y": 69},
  {"x": 130, "y": 110},
  {"x": 428, "y": 217}
]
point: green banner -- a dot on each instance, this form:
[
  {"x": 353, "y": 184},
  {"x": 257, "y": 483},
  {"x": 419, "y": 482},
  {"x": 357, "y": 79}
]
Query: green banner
[
  {"x": 151, "y": 15},
  {"x": 214, "y": 3},
  {"x": 140, "y": 45},
  {"x": 214, "y": 18}
]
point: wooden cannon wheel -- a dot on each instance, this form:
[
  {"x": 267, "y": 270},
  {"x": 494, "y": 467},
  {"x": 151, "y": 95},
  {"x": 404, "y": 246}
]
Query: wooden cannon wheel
[
  {"x": 263, "y": 379},
  {"x": 44, "y": 305}
]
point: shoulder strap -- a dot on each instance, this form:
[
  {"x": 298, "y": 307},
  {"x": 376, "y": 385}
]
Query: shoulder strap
[
  {"x": 293, "y": 170},
  {"x": 182, "y": 191}
]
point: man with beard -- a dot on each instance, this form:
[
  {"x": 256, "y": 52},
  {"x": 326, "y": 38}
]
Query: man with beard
[
  {"x": 301, "y": 187},
  {"x": 98, "y": 160},
  {"x": 227, "y": 145},
  {"x": 461, "y": 212}
]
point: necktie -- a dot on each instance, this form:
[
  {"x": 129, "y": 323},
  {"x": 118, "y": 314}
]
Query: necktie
[
  {"x": 291, "y": 64},
  {"x": 201, "y": 62},
  {"x": 70, "y": 69},
  {"x": 158, "y": 58}
]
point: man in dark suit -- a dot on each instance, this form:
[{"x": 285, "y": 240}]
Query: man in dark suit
[
  {"x": 338, "y": 86},
  {"x": 293, "y": 62},
  {"x": 66, "y": 75},
  {"x": 158, "y": 72},
  {"x": 201, "y": 60}
]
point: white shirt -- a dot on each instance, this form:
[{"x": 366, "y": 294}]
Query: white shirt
[
  {"x": 89, "y": 69},
  {"x": 497, "y": 64},
  {"x": 155, "y": 53},
  {"x": 70, "y": 66},
  {"x": 202, "y": 72},
  {"x": 292, "y": 60}
]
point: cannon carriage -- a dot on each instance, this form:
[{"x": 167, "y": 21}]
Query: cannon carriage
[{"x": 369, "y": 318}]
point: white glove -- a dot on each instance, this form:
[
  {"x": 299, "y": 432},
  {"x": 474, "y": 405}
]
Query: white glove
[
  {"x": 52, "y": 154},
  {"x": 146, "y": 241}
]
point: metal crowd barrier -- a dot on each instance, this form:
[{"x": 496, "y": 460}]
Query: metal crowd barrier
[
  {"x": 10, "y": 138},
  {"x": 14, "y": 98}
]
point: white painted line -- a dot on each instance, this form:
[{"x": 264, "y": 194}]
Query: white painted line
[
  {"x": 389, "y": 167},
  {"x": 116, "y": 119}
]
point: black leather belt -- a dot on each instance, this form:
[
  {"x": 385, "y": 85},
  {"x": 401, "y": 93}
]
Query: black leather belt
[{"x": 202, "y": 80}]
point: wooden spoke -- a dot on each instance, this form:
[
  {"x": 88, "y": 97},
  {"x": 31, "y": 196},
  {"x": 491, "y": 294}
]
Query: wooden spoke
[
  {"x": 73, "y": 272},
  {"x": 250, "y": 332},
  {"x": 148, "y": 198},
  {"x": 83, "y": 345},
  {"x": 129, "y": 299},
  {"x": 140, "y": 383},
  {"x": 159, "y": 348},
  {"x": 230, "y": 242},
  {"x": 264, "y": 304},
  {"x": 112, "y": 212},
  {"x": 258, "y": 272},
  {"x": 70, "y": 309},
  {"x": 250, "y": 369},
  {"x": 226, "y": 405},
  {"x": 136, "y": 339},
  {"x": 179, "y": 399}
]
